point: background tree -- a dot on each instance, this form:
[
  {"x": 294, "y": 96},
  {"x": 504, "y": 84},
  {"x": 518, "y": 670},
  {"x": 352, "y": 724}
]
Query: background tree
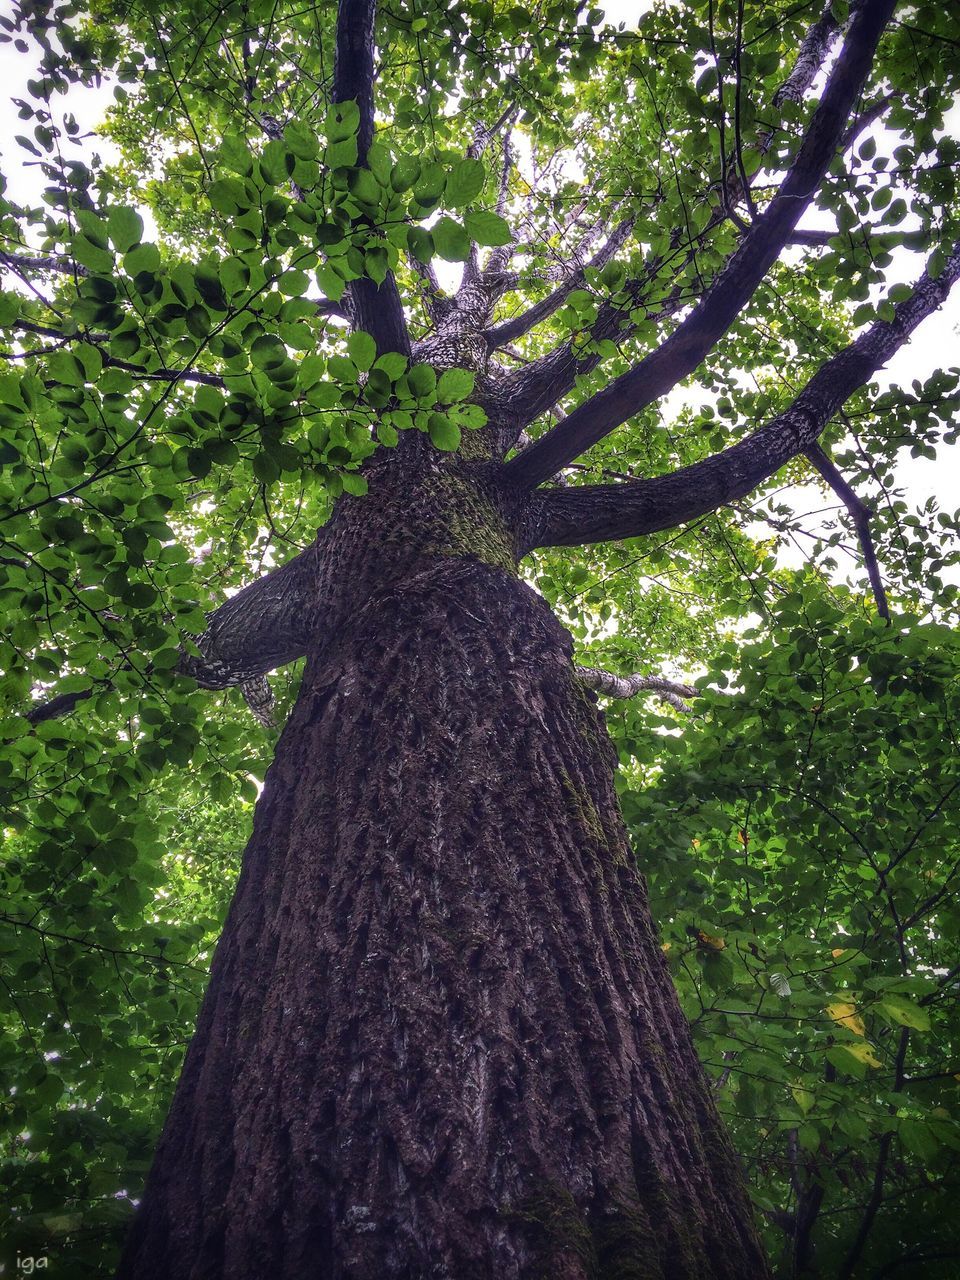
[{"x": 441, "y": 1027}]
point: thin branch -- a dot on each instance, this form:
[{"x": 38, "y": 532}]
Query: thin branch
[
  {"x": 686, "y": 347},
  {"x": 860, "y": 514},
  {"x": 554, "y": 374},
  {"x": 867, "y": 117},
  {"x": 509, "y": 330},
  {"x": 24, "y": 262},
  {"x": 614, "y": 686},
  {"x": 438, "y": 305},
  {"x": 876, "y": 1196}
]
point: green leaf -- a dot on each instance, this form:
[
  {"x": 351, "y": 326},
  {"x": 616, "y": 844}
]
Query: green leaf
[
  {"x": 342, "y": 120},
  {"x": 228, "y": 195},
  {"x": 454, "y": 385},
  {"x": 808, "y": 1136},
  {"x": 905, "y": 1013},
  {"x": 267, "y": 351},
  {"x": 444, "y": 433},
  {"x": 487, "y": 228},
  {"x": 362, "y": 349},
  {"x": 393, "y": 364},
  {"x": 420, "y": 243},
  {"x": 422, "y": 381},
  {"x": 918, "y": 1138},
  {"x": 450, "y": 240},
  {"x": 365, "y": 186},
  {"x": 404, "y": 173},
  {"x": 464, "y": 182},
  {"x": 266, "y": 468},
  {"x": 125, "y": 227},
  {"x": 90, "y": 255}
]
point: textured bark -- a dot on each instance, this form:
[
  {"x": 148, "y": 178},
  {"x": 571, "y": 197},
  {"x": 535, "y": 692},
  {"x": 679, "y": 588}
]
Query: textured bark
[{"x": 440, "y": 1037}]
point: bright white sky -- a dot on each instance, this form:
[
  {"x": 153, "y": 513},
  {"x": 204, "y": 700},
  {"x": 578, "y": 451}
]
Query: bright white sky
[{"x": 935, "y": 344}]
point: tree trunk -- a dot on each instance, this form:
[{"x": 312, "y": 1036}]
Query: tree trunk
[{"x": 440, "y": 1037}]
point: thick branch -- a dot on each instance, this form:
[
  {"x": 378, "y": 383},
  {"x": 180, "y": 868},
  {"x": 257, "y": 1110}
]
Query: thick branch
[
  {"x": 485, "y": 134},
  {"x": 262, "y": 627},
  {"x": 686, "y": 347},
  {"x": 62, "y": 704},
  {"x": 598, "y": 513},
  {"x": 376, "y": 308},
  {"x": 551, "y": 377},
  {"x": 614, "y": 686},
  {"x": 860, "y": 514},
  {"x": 816, "y": 239}
]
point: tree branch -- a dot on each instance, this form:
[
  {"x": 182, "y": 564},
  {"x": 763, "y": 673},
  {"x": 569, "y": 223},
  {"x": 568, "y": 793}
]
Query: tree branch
[
  {"x": 20, "y": 262},
  {"x": 876, "y": 1197},
  {"x": 686, "y": 347},
  {"x": 598, "y": 513},
  {"x": 483, "y": 135},
  {"x": 813, "y": 53},
  {"x": 860, "y": 514},
  {"x": 62, "y": 704},
  {"x": 509, "y": 330},
  {"x": 554, "y": 374},
  {"x": 377, "y": 309},
  {"x": 437, "y": 303},
  {"x": 816, "y": 239},
  {"x": 262, "y": 627},
  {"x": 614, "y": 686}
]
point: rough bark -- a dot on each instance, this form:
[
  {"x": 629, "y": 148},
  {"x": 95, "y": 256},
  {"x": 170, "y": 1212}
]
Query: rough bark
[{"x": 440, "y": 1037}]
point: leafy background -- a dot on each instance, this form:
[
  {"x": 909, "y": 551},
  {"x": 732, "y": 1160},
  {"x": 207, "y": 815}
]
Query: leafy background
[{"x": 178, "y": 417}]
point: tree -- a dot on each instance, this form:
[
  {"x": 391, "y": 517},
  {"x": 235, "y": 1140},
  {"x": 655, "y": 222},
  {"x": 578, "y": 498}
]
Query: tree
[{"x": 441, "y": 1033}]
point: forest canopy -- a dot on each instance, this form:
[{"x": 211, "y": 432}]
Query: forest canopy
[{"x": 189, "y": 385}]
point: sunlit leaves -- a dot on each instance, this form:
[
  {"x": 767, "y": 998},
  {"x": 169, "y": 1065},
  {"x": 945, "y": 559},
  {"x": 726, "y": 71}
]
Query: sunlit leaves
[
  {"x": 845, "y": 1014},
  {"x": 125, "y": 228},
  {"x": 450, "y": 240},
  {"x": 464, "y": 182},
  {"x": 487, "y": 228}
]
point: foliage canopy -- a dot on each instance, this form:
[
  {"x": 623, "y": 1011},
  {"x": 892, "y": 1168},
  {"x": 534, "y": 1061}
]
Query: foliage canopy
[{"x": 182, "y": 401}]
